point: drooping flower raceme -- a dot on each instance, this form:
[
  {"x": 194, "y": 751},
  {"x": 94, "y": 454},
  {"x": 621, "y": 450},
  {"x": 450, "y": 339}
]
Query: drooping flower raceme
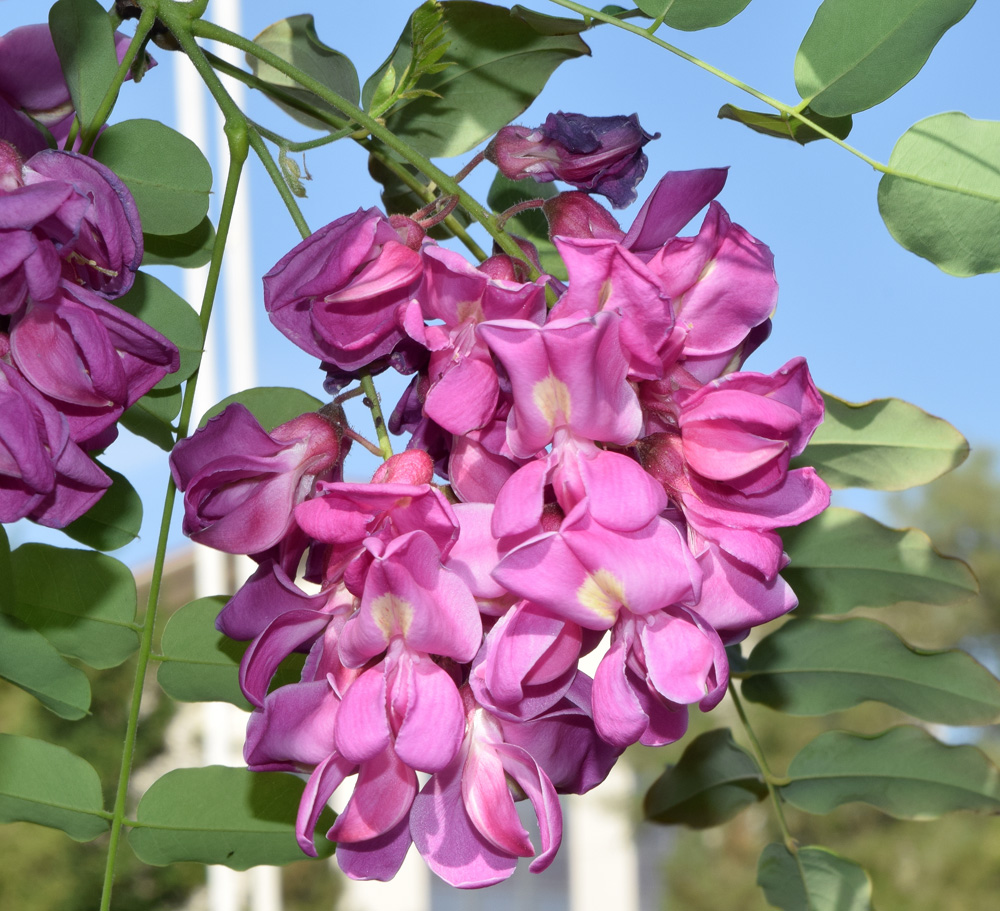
[
  {"x": 70, "y": 244},
  {"x": 615, "y": 481}
]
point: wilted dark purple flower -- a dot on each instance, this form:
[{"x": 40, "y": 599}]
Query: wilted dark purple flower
[
  {"x": 597, "y": 154},
  {"x": 44, "y": 475},
  {"x": 91, "y": 359}
]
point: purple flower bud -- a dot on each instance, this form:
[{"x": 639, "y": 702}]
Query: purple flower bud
[
  {"x": 241, "y": 484},
  {"x": 597, "y": 154}
]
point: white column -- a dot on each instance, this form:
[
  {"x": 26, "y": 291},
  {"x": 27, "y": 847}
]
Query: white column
[{"x": 603, "y": 862}]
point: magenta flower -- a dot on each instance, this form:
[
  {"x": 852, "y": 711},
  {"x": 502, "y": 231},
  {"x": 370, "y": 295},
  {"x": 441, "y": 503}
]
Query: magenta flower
[
  {"x": 335, "y": 295},
  {"x": 727, "y": 467},
  {"x": 456, "y": 298},
  {"x": 241, "y": 484},
  {"x": 598, "y": 154}
]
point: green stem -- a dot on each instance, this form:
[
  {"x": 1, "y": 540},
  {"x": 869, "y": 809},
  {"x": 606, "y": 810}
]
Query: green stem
[
  {"x": 770, "y": 779},
  {"x": 238, "y": 140},
  {"x": 145, "y": 648},
  {"x": 107, "y": 104},
  {"x": 289, "y": 146},
  {"x": 379, "y": 131},
  {"x": 375, "y": 406},
  {"x": 342, "y": 128},
  {"x": 277, "y": 178},
  {"x": 779, "y": 106}
]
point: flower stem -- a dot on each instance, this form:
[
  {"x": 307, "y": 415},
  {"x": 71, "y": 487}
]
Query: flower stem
[
  {"x": 770, "y": 779},
  {"x": 375, "y": 406},
  {"x": 238, "y": 140},
  {"x": 447, "y": 184},
  {"x": 89, "y": 134}
]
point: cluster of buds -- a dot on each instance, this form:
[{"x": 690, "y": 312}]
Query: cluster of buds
[
  {"x": 71, "y": 361},
  {"x": 602, "y": 467}
]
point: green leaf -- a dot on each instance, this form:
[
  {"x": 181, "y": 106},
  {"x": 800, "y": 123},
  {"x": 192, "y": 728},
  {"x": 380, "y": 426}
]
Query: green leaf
[
  {"x": 271, "y": 405},
  {"x": 150, "y": 417},
  {"x": 530, "y": 224},
  {"x": 499, "y": 65},
  {"x": 885, "y": 444},
  {"x": 165, "y": 171},
  {"x": 85, "y": 43},
  {"x": 83, "y": 602},
  {"x": 811, "y": 667},
  {"x": 114, "y": 520},
  {"x": 784, "y": 127},
  {"x": 903, "y": 772},
  {"x": 842, "y": 559},
  {"x": 46, "y": 784},
  {"x": 30, "y": 661},
  {"x": 221, "y": 815},
  {"x": 813, "y": 879},
  {"x": 692, "y": 15},
  {"x": 295, "y": 40},
  {"x": 169, "y": 314},
  {"x": 713, "y": 782},
  {"x": 854, "y": 55},
  {"x": 940, "y": 197},
  {"x": 188, "y": 250},
  {"x": 200, "y": 664}
]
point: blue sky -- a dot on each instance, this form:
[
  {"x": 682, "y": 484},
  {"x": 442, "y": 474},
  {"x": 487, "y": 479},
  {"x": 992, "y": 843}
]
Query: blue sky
[{"x": 872, "y": 319}]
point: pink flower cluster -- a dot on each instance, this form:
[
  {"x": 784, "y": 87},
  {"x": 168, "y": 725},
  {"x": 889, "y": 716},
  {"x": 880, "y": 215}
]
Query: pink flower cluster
[
  {"x": 71, "y": 361},
  {"x": 610, "y": 469}
]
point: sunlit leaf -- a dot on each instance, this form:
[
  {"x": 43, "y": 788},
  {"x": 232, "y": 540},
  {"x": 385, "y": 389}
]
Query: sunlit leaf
[
  {"x": 188, "y": 250},
  {"x": 530, "y": 224},
  {"x": 85, "y": 43},
  {"x": 940, "y": 197},
  {"x": 692, "y": 15},
  {"x": 782, "y": 127},
  {"x": 553, "y": 25},
  {"x": 271, "y": 405},
  {"x": 295, "y": 40},
  {"x": 169, "y": 314},
  {"x": 713, "y": 781},
  {"x": 200, "y": 664},
  {"x": 811, "y": 667},
  {"x": 82, "y": 601},
  {"x": 165, "y": 171},
  {"x": 843, "y": 559},
  {"x": 151, "y": 417},
  {"x": 904, "y": 772},
  {"x": 31, "y": 662},
  {"x": 499, "y": 65},
  {"x": 856, "y": 54},
  {"x": 46, "y": 784},
  {"x": 886, "y": 444},
  {"x": 813, "y": 879},
  {"x": 221, "y": 815},
  {"x": 114, "y": 520}
]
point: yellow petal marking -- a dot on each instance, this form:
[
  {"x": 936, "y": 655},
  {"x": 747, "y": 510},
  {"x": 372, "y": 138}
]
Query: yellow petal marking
[
  {"x": 551, "y": 397},
  {"x": 603, "y": 593},
  {"x": 392, "y": 615}
]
